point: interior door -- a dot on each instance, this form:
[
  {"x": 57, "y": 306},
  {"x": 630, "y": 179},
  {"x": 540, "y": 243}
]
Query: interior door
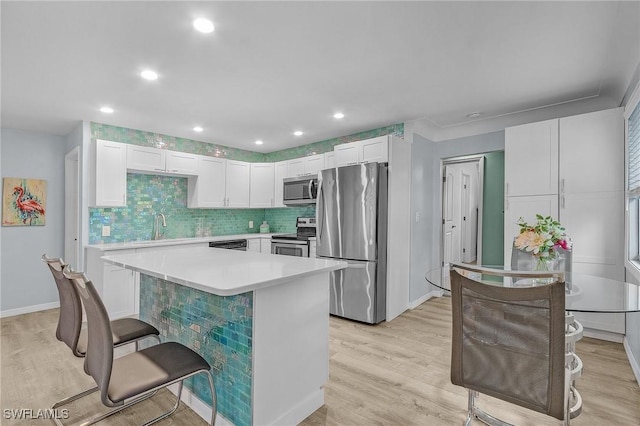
[{"x": 450, "y": 214}]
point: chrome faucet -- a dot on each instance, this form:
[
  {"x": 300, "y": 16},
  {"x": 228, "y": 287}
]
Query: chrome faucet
[{"x": 156, "y": 233}]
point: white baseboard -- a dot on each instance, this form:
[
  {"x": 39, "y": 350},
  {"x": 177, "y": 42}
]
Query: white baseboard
[
  {"x": 29, "y": 309},
  {"x": 603, "y": 335},
  {"x": 635, "y": 366},
  {"x": 303, "y": 409},
  {"x": 199, "y": 407},
  {"x": 421, "y": 300}
]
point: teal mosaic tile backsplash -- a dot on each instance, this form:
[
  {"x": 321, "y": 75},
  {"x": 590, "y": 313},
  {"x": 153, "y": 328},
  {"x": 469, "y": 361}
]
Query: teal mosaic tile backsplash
[
  {"x": 219, "y": 328},
  {"x": 148, "y": 195},
  {"x": 156, "y": 140}
]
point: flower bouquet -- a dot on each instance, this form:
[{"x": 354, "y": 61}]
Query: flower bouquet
[{"x": 544, "y": 239}]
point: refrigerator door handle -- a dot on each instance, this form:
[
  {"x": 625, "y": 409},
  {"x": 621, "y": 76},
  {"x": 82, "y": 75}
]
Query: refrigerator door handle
[{"x": 320, "y": 209}]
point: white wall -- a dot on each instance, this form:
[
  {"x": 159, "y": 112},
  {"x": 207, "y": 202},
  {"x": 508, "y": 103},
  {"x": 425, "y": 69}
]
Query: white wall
[
  {"x": 426, "y": 200},
  {"x": 27, "y": 284}
]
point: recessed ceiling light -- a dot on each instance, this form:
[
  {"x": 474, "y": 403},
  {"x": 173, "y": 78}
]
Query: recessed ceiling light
[
  {"x": 106, "y": 109},
  {"x": 474, "y": 114},
  {"x": 198, "y": 129},
  {"x": 338, "y": 115},
  {"x": 149, "y": 75},
  {"x": 203, "y": 25},
  {"x": 298, "y": 133},
  {"x": 259, "y": 142}
]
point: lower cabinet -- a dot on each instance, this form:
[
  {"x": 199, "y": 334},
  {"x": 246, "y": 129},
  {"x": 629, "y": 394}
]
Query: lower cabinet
[
  {"x": 117, "y": 286},
  {"x": 254, "y": 245},
  {"x": 265, "y": 245},
  {"x": 120, "y": 292}
]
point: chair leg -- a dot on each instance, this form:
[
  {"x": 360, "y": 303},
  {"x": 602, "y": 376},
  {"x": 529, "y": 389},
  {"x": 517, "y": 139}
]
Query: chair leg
[
  {"x": 481, "y": 415},
  {"x": 170, "y": 412},
  {"x": 214, "y": 398}
]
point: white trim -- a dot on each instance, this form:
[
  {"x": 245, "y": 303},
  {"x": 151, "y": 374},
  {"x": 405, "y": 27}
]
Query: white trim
[
  {"x": 632, "y": 360},
  {"x": 632, "y": 267},
  {"x": 603, "y": 335},
  {"x": 29, "y": 309},
  {"x": 633, "y": 102},
  {"x": 421, "y": 300},
  {"x": 199, "y": 407}
]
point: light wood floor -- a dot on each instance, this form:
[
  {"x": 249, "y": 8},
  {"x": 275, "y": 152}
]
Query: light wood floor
[{"x": 395, "y": 373}]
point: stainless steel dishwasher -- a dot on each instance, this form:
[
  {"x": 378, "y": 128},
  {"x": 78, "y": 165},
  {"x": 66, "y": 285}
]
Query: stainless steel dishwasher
[{"x": 230, "y": 244}]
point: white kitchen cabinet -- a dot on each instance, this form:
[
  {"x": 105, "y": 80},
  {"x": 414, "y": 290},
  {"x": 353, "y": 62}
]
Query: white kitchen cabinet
[
  {"x": 181, "y": 163},
  {"x": 313, "y": 164},
  {"x": 254, "y": 245},
  {"x": 591, "y": 152},
  {"x": 527, "y": 208},
  {"x": 145, "y": 158},
  {"x": 261, "y": 192},
  {"x": 117, "y": 286},
  {"x": 238, "y": 183},
  {"x": 586, "y": 171},
  {"x": 312, "y": 247},
  {"x": 329, "y": 160},
  {"x": 155, "y": 160},
  {"x": 347, "y": 154},
  {"x": 309, "y": 165},
  {"x": 281, "y": 171},
  {"x": 364, "y": 151},
  {"x": 531, "y": 159},
  {"x": 208, "y": 189},
  {"x": 108, "y": 174},
  {"x": 220, "y": 183},
  {"x": 295, "y": 167},
  {"x": 265, "y": 245}
]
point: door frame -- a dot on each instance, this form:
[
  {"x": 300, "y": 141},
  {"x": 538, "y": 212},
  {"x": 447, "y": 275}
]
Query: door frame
[
  {"x": 479, "y": 159},
  {"x": 72, "y": 220}
]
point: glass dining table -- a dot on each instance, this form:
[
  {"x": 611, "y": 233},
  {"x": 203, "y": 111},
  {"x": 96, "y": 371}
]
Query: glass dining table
[{"x": 584, "y": 292}]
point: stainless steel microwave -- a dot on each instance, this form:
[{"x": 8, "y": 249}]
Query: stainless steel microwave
[{"x": 300, "y": 190}]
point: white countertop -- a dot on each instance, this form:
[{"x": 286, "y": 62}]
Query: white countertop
[
  {"x": 222, "y": 272},
  {"x": 175, "y": 241}
]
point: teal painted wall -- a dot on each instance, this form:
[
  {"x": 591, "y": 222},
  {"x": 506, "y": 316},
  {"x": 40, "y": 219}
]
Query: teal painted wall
[{"x": 493, "y": 209}]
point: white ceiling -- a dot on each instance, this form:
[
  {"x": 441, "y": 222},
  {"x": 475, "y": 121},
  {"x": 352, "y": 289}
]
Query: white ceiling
[{"x": 271, "y": 68}]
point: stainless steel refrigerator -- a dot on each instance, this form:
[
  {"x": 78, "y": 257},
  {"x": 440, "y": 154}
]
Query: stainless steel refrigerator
[{"x": 352, "y": 226}]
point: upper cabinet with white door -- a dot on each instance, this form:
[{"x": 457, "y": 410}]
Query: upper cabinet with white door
[
  {"x": 108, "y": 174},
  {"x": 262, "y": 185},
  {"x": 208, "y": 189},
  {"x": 364, "y": 151},
  {"x": 281, "y": 171},
  {"x": 531, "y": 159},
  {"x": 578, "y": 161},
  {"x": 154, "y": 160},
  {"x": 238, "y": 183},
  {"x": 220, "y": 183},
  {"x": 309, "y": 165}
]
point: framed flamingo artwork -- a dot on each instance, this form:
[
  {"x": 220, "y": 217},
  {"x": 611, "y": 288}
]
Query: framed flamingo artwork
[{"x": 24, "y": 202}]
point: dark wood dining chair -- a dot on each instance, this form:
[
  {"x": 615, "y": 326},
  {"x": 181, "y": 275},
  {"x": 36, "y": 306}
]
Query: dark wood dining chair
[
  {"x": 127, "y": 380},
  {"x": 510, "y": 343}
]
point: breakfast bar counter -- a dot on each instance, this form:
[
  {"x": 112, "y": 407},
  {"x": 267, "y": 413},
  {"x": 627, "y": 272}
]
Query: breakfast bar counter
[{"x": 260, "y": 320}]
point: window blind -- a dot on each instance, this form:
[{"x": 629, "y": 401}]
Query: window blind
[{"x": 633, "y": 138}]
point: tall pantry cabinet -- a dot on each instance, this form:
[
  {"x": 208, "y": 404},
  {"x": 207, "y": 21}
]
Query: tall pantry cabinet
[{"x": 572, "y": 169}]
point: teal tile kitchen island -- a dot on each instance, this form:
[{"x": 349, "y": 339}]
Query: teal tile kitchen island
[{"x": 260, "y": 320}]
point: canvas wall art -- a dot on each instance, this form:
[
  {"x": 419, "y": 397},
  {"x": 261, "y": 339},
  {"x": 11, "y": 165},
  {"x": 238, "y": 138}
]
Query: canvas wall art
[{"x": 24, "y": 202}]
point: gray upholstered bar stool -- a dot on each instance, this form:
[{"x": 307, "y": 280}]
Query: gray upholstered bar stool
[
  {"x": 127, "y": 380},
  {"x": 69, "y": 329}
]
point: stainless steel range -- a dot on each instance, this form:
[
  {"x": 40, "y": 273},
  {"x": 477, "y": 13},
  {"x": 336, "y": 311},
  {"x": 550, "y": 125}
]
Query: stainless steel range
[{"x": 295, "y": 244}]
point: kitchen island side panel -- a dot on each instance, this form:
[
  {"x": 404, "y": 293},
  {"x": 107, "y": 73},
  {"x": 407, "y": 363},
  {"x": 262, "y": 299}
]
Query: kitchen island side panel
[{"x": 220, "y": 328}]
